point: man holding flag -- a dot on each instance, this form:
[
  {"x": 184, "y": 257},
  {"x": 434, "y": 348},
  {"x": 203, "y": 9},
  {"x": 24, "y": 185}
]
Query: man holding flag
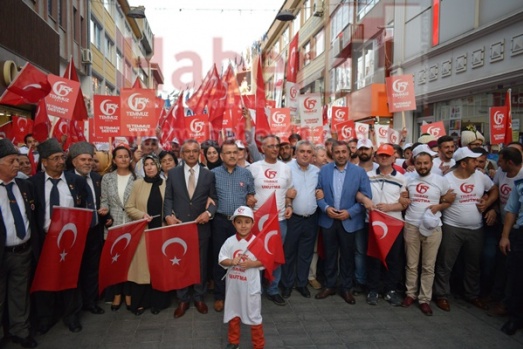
[{"x": 54, "y": 187}]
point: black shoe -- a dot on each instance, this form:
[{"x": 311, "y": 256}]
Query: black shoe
[
  {"x": 510, "y": 327},
  {"x": 74, "y": 327},
  {"x": 139, "y": 311},
  {"x": 94, "y": 309},
  {"x": 155, "y": 311},
  {"x": 304, "y": 291},
  {"x": 286, "y": 293},
  {"x": 43, "y": 329},
  {"x": 276, "y": 299},
  {"x": 27, "y": 342},
  {"x": 115, "y": 307}
]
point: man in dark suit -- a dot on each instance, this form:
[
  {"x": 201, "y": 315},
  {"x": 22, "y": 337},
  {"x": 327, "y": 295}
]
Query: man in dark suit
[
  {"x": 18, "y": 245},
  {"x": 81, "y": 155},
  {"x": 56, "y": 187},
  {"x": 187, "y": 189}
]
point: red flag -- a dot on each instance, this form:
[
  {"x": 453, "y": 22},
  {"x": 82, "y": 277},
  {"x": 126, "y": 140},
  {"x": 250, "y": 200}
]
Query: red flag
[
  {"x": 118, "y": 252},
  {"x": 508, "y": 120},
  {"x": 59, "y": 263},
  {"x": 31, "y": 84},
  {"x": 232, "y": 103},
  {"x": 383, "y": 231},
  {"x": 198, "y": 100},
  {"x": 173, "y": 254},
  {"x": 6, "y": 130},
  {"x": 22, "y": 126},
  {"x": 137, "y": 84},
  {"x": 268, "y": 246},
  {"x": 61, "y": 101},
  {"x": 262, "y": 125},
  {"x": 42, "y": 124},
  {"x": 292, "y": 62},
  {"x": 80, "y": 110},
  {"x": 174, "y": 124}
]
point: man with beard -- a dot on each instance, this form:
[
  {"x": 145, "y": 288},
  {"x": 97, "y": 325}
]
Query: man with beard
[
  {"x": 365, "y": 154},
  {"x": 444, "y": 162},
  {"x": 422, "y": 232},
  {"x": 353, "y": 150},
  {"x": 286, "y": 152}
]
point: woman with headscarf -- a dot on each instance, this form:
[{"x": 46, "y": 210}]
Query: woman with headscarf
[
  {"x": 116, "y": 189},
  {"x": 146, "y": 201},
  {"x": 211, "y": 152}
]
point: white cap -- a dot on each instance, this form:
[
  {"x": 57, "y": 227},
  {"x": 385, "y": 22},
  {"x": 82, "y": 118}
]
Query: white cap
[
  {"x": 429, "y": 222},
  {"x": 175, "y": 140},
  {"x": 102, "y": 146},
  {"x": 463, "y": 153},
  {"x": 240, "y": 144},
  {"x": 423, "y": 148},
  {"x": 146, "y": 138},
  {"x": 407, "y": 145},
  {"x": 24, "y": 150},
  {"x": 364, "y": 143},
  {"x": 243, "y": 211}
]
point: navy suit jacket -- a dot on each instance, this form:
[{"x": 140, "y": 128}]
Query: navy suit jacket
[{"x": 356, "y": 180}]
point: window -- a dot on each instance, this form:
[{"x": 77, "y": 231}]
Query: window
[
  {"x": 76, "y": 25},
  {"x": 307, "y": 53},
  {"x": 96, "y": 85},
  {"x": 83, "y": 37},
  {"x": 61, "y": 12},
  {"x": 364, "y": 6},
  {"x": 366, "y": 58},
  {"x": 319, "y": 40},
  {"x": 306, "y": 10},
  {"x": 50, "y": 8},
  {"x": 109, "y": 49},
  {"x": 285, "y": 38},
  {"x": 109, "y": 90},
  {"x": 296, "y": 24},
  {"x": 96, "y": 34},
  {"x": 119, "y": 61}
]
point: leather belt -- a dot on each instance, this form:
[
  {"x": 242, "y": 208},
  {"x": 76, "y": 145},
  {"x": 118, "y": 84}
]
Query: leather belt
[
  {"x": 224, "y": 216},
  {"x": 304, "y": 216},
  {"x": 18, "y": 248}
]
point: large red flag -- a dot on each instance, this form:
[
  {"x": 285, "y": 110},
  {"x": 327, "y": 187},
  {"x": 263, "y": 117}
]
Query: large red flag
[
  {"x": 198, "y": 100},
  {"x": 174, "y": 124},
  {"x": 269, "y": 248},
  {"x": 508, "y": 120},
  {"x": 383, "y": 231},
  {"x": 173, "y": 254},
  {"x": 6, "y": 130},
  {"x": 21, "y": 127},
  {"x": 292, "y": 62},
  {"x": 31, "y": 84},
  {"x": 59, "y": 263},
  {"x": 42, "y": 124},
  {"x": 80, "y": 110},
  {"x": 118, "y": 252},
  {"x": 262, "y": 124}
]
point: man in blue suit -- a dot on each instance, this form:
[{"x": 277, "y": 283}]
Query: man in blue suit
[{"x": 341, "y": 216}]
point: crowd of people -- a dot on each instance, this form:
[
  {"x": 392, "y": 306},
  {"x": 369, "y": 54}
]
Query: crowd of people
[{"x": 461, "y": 204}]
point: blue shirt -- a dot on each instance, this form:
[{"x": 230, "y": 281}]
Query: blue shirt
[
  {"x": 337, "y": 181},
  {"x": 514, "y": 202},
  {"x": 232, "y": 188},
  {"x": 305, "y": 183}
]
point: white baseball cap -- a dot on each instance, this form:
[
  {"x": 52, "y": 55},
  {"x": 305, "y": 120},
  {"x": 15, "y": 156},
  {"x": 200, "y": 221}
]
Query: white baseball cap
[
  {"x": 407, "y": 145},
  {"x": 175, "y": 140},
  {"x": 465, "y": 152},
  {"x": 429, "y": 222},
  {"x": 243, "y": 211},
  {"x": 364, "y": 143},
  {"x": 240, "y": 144},
  {"x": 146, "y": 138},
  {"x": 423, "y": 148}
]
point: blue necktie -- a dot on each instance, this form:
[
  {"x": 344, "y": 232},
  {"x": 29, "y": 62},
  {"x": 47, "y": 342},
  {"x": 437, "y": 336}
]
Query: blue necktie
[
  {"x": 55, "y": 195},
  {"x": 15, "y": 210}
]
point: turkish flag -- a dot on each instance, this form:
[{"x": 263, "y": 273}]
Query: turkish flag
[
  {"x": 30, "y": 84},
  {"x": 292, "y": 62},
  {"x": 80, "y": 110},
  {"x": 268, "y": 245},
  {"x": 118, "y": 252},
  {"x": 22, "y": 126},
  {"x": 262, "y": 124},
  {"x": 508, "y": 120},
  {"x": 6, "y": 130},
  {"x": 173, "y": 254},
  {"x": 198, "y": 100},
  {"x": 42, "y": 124},
  {"x": 383, "y": 231},
  {"x": 174, "y": 124},
  {"x": 59, "y": 263}
]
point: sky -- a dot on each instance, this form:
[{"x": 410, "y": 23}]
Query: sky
[{"x": 191, "y": 35}]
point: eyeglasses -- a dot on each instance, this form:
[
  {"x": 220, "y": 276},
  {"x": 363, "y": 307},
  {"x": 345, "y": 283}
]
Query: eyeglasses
[{"x": 273, "y": 146}]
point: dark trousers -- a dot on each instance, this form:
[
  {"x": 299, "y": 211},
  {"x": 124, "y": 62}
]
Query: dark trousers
[
  {"x": 392, "y": 276},
  {"x": 298, "y": 249},
  {"x": 514, "y": 276},
  {"x": 338, "y": 242},
  {"x": 47, "y": 307},
  {"x": 88, "y": 279},
  {"x": 222, "y": 229},
  {"x": 201, "y": 288},
  {"x": 15, "y": 275}
]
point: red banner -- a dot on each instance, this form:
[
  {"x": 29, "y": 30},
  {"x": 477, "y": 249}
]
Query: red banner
[
  {"x": 314, "y": 134},
  {"x": 61, "y": 101},
  {"x": 173, "y": 254},
  {"x": 138, "y": 113},
  {"x": 59, "y": 263},
  {"x": 197, "y": 127},
  {"x": 437, "y": 129},
  {"x": 293, "y": 61},
  {"x": 339, "y": 115},
  {"x": 400, "y": 93},
  {"x": 106, "y": 116},
  {"x": 280, "y": 121},
  {"x": 346, "y": 131},
  {"x": 383, "y": 231},
  {"x": 498, "y": 124},
  {"x": 118, "y": 252}
]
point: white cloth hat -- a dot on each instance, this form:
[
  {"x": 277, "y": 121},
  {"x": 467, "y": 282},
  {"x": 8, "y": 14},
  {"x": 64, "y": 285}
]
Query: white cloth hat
[
  {"x": 429, "y": 222},
  {"x": 240, "y": 144},
  {"x": 407, "y": 145},
  {"x": 423, "y": 148},
  {"x": 24, "y": 150},
  {"x": 146, "y": 138},
  {"x": 175, "y": 140},
  {"x": 463, "y": 153},
  {"x": 364, "y": 143},
  {"x": 243, "y": 211}
]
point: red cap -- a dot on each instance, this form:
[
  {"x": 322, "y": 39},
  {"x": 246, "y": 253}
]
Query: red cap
[{"x": 386, "y": 149}]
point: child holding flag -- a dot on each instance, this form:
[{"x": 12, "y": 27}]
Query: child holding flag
[{"x": 243, "y": 285}]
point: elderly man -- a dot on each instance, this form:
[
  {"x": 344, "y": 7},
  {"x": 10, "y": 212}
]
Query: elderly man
[
  {"x": 463, "y": 228},
  {"x": 19, "y": 245},
  {"x": 54, "y": 187},
  {"x": 81, "y": 154},
  {"x": 302, "y": 226}
]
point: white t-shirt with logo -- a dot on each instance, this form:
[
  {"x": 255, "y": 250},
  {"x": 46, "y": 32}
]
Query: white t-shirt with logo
[
  {"x": 386, "y": 189},
  {"x": 463, "y": 213},
  {"x": 269, "y": 178},
  {"x": 424, "y": 192},
  {"x": 505, "y": 186},
  {"x": 436, "y": 163}
]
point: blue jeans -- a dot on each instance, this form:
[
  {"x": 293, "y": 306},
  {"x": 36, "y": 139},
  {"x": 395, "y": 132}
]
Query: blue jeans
[{"x": 273, "y": 289}]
